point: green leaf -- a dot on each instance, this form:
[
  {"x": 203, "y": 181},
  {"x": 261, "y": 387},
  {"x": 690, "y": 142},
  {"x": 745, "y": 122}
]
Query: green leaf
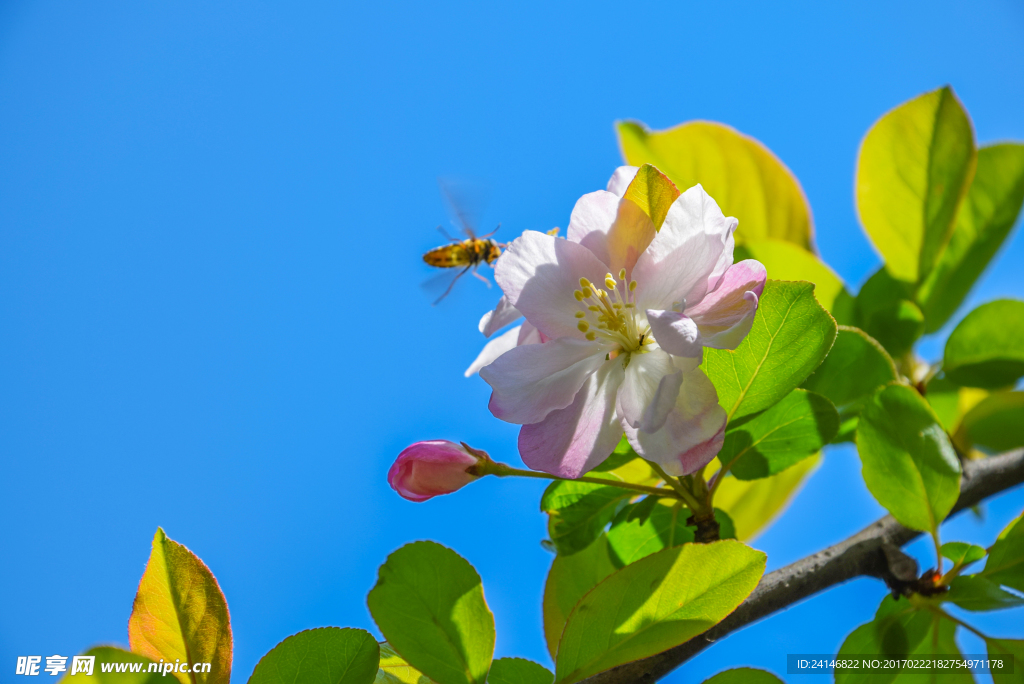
[
  {"x": 745, "y": 178},
  {"x": 790, "y": 336},
  {"x": 944, "y": 398},
  {"x": 518, "y": 671},
  {"x": 744, "y": 675},
  {"x": 1012, "y": 649},
  {"x": 655, "y": 603},
  {"x": 962, "y": 553},
  {"x": 754, "y": 504},
  {"x": 897, "y": 629},
  {"x": 1005, "y": 563},
  {"x": 976, "y": 593},
  {"x": 327, "y": 655},
  {"x": 996, "y": 423},
  {"x": 394, "y": 669},
  {"x": 854, "y": 369},
  {"x": 914, "y": 167},
  {"x": 726, "y": 528},
  {"x": 579, "y": 511},
  {"x": 632, "y": 538},
  {"x": 884, "y": 310},
  {"x": 939, "y": 640},
  {"x": 568, "y": 580},
  {"x": 126, "y": 659},
  {"x": 653, "y": 192},
  {"x": 986, "y": 349},
  {"x": 794, "y": 429},
  {"x": 983, "y": 222},
  {"x": 789, "y": 261},
  {"x": 429, "y": 605},
  {"x": 180, "y": 613},
  {"x": 907, "y": 462}
]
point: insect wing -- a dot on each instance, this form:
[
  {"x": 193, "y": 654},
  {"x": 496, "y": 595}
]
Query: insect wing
[
  {"x": 464, "y": 202},
  {"x": 438, "y": 287}
]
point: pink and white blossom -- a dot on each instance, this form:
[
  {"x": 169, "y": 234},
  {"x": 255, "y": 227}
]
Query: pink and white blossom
[
  {"x": 617, "y": 318},
  {"x": 428, "y": 469}
]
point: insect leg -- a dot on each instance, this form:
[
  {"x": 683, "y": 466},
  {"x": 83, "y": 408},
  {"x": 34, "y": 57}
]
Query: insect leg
[
  {"x": 452, "y": 284},
  {"x": 491, "y": 233}
]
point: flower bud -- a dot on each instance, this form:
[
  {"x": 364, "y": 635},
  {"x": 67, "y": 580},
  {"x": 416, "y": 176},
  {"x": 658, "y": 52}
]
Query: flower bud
[{"x": 427, "y": 469}]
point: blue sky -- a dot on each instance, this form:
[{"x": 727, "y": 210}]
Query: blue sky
[{"x": 211, "y": 216}]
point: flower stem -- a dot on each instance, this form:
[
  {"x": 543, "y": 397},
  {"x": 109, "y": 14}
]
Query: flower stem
[
  {"x": 675, "y": 484},
  {"x": 502, "y": 470}
]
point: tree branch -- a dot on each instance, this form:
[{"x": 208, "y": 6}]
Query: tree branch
[{"x": 860, "y": 555}]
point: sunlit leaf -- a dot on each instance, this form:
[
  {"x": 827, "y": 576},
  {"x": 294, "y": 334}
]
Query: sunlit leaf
[
  {"x": 986, "y": 349},
  {"x": 790, "y": 431},
  {"x": 121, "y": 662},
  {"x": 962, "y": 553},
  {"x": 579, "y": 511},
  {"x": 326, "y": 655},
  {"x": 789, "y": 261},
  {"x": 1007, "y": 649},
  {"x": 753, "y": 505},
  {"x": 913, "y": 169},
  {"x": 653, "y": 192},
  {"x": 885, "y": 310},
  {"x": 983, "y": 222},
  {"x": 518, "y": 671},
  {"x": 790, "y": 336},
  {"x": 1005, "y": 563},
  {"x": 744, "y": 177},
  {"x": 978, "y": 593},
  {"x": 568, "y": 580},
  {"x": 655, "y": 603},
  {"x": 633, "y": 538},
  {"x": 996, "y": 423},
  {"x": 394, "y": 669},
  {"x": 180, "y": 613},
  {"x": 429, "y": 604},
  {"x": 897, "y": 629},
  {"x": 854, "y": 369},
  {"x": 907, "y": 460},
  {"x": 744, "y": 675}
]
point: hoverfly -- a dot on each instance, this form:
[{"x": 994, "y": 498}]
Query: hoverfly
[{"x": 465, "y": 254}]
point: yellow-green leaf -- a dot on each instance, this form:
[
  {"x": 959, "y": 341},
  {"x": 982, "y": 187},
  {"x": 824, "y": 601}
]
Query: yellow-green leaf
[
  {"x": 983, "y": 222},
  {"x": 654, "y": 604},
  {"x": 568, "y": 580},
  {"x": 180, "y": 613},
  {"x": 394, "y": 670},
  {"x": 996, "y": 424},
  {"x": 753, "y": 505},
  {"x": 653, "y": 192},
  {"x": 788, "y": 261},
  {"x": 914, "y": 167},
  {"x": 744, "y": 177}
]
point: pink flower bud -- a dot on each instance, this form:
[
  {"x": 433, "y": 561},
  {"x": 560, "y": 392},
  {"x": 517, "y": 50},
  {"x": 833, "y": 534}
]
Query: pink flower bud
[{"x": 427, "y": 469}]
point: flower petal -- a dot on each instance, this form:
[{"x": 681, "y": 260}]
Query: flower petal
[
  {"x": 532, "y": 380},
  {"x": 685, "y": 253},
  {"x": 640, "y": 384},
  {"x": 663, "y": 402},
  {"x": 591, "y": 219},
  {"x": 676, "y": 333},
  {"x": 503, "y": 314},
  {"x": 621, "y": 179},
  {"x": 692, "y": 434},
  {"x": 427, "y": 469},
  {"x": 724, "y": 316},
  {"x": 493, "y": 349},
  {"x": 539, "y": 274},
  {"x": 575, "y": 439},
  {"x": 530, "y": 335}
]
